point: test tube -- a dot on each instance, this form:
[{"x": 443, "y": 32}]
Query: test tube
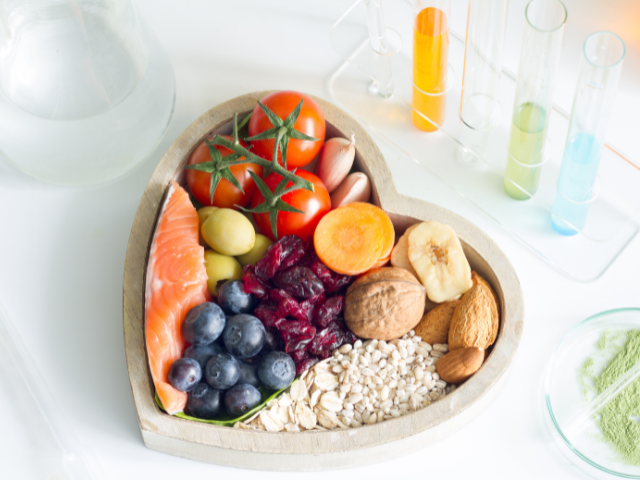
[
  {"x": 380, "y": 45},
  {"x": 544, "y": 27},
  {"x": 600, "y": 67},
  {"x": 430, "y": 63},
  {"x": 479, "y": 107}
]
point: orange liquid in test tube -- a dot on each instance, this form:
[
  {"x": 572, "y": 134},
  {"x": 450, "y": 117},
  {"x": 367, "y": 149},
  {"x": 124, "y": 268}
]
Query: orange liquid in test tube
[{"x": 430, "y": 64}]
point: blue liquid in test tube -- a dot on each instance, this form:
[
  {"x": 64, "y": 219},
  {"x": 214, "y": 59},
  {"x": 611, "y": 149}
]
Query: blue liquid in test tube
[
  {"x": 576, "y": 183},
  {"x": 600, "y": 68}
]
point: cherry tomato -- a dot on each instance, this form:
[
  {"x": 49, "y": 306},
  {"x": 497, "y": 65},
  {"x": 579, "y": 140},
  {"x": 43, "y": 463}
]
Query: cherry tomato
[
  {"x": 310, "y": 122},
  {"x": 315, "y": 205},
  {"x": 226, "y": 194}
]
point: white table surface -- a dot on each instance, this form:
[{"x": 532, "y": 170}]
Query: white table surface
[{"x": 63, "y": 249}]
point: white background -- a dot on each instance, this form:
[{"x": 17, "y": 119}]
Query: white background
[{"x": 63, "y": 249}]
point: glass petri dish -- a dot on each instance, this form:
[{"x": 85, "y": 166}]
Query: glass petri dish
[{"x": 569, "y": 387}]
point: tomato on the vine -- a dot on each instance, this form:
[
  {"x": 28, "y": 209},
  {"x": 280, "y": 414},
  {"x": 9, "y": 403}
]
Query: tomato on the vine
[
  {"x": 310, "y": 122},
  {"x": 226, "y": 195},
  {"x": 315, "y": 205}
]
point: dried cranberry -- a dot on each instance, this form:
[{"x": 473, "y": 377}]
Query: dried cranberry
[
  {"x": 285, "y": 303},
  {"x": 300, "y": 282},
  {"x": 322, "y": 272},
  {"x": 306, "y": 308},
  {"x": 293, "y": 249},
  {"x": 283, "y": 254},
  {"x": 310, "y": 256},
  {"x": 299, "y": 355},
  {"x": 296, "y": 334},
  {"x": 332, "y": 281},
  {"x": 349, "y": 337},
  {"x": 268, "y": 314},
  {"x": 268, "y": 265},
  {"x": 327, "y": 340},
  {"x": 305, "y": 365},
  {"x": 328, "y": 311},
  {"x": 338, "y": 282},
  {"x": 272, "y": 340},
  {"x": 252, "y": 284}
]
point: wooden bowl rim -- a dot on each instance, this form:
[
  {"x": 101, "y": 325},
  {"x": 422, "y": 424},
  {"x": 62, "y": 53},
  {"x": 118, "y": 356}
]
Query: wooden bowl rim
[{"x": 410, "y": 210}]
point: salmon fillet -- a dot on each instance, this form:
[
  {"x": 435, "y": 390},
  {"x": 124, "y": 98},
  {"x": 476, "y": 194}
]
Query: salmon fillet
[{"x": 176, "y": 282}]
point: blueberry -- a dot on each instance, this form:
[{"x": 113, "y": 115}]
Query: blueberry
[
  {"x": 202, "y": 353},
  {"x": 277, "y": 370},
  {"x": 240, "y": 399},
  {"x": 222, "y": 371},
  {"x": 203, "y": 324},
  {"x": 248, "y": 374},
  {"x": 204, "y": 402},
  {"x": 234, "y": 300},
  {"x": 184, "y": 374},
  {"x": 244, "y": 336}
]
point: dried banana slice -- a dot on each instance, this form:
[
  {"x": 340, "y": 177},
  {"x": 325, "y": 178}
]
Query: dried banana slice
[
  {"x": 400, "y": 253},
  {"x": 436, "y": 255}
]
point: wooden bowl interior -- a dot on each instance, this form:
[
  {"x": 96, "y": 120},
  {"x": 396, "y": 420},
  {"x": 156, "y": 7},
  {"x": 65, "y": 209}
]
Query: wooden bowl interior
[{"x": 400, "y": 222}]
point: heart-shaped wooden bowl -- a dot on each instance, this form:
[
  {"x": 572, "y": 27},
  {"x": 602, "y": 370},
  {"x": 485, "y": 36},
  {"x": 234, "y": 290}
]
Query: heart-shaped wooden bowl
[{"x": 314, "y": 450}]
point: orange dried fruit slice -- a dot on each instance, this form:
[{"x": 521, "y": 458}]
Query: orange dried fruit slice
[
  {"x": 384, "y": 222},
  {"x": 348, "y": 241}
]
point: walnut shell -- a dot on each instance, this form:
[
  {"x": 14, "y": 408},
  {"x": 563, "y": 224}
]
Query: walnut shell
[
  {"x": 384, "y": 304},
  {"x": 475, "y": 320},
  {"x": 434, "y": 326}
]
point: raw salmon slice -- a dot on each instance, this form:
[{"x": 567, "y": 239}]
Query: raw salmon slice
[{"x": 176, "y": 282}]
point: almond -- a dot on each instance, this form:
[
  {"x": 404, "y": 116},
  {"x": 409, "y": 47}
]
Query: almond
[
  {"x": 456, "y": 367},
  {"x": 475, "y": 278},
  {"x": 434, "y": 326},
  {"x": 475, "y": 320}
]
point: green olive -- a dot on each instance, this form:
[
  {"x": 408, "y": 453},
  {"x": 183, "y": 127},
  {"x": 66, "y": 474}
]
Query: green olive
[
  {"x": 203, "y": 214},
  {"x": 220, "y": 267},
  {"x": 229, "y": 232},
  {"x": 257, "y": 252}
]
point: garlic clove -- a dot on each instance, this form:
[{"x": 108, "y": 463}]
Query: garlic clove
[
  {"x": 355, "y": 188},
  {"x": 335, "y": 160}
]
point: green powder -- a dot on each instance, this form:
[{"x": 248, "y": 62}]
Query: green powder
[{"x": 619, "y": 419}]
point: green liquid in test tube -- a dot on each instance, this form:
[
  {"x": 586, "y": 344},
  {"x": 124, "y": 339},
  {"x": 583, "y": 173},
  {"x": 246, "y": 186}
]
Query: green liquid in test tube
[
  {"x": 544, "y": 27},
  {"x": 526, "y": 146}
]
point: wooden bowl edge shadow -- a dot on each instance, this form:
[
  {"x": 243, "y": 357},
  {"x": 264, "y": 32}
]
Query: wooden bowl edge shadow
[{"x": 372, "y": 162}]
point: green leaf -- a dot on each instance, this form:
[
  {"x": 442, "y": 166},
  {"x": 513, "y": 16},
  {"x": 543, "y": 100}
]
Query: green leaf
[
  {"x": 275, "y": 120},
  {"x": 284, "y": 146},
  {"x": 271, "y": 133},
  {"x": 261, "y": 208},
  {"x": 301, "y": 136},
  {"x": 215, "y": 180},
  {"x": 245, "y": 120},
  {"x": 285, "y": 207},
  {"x": 226, "y": 420},
  {"x": 290, "y": 121},
  {"x": 226, "y": 174},
  {"x": 273, "y": 219},
  {"x": 264, "y": 190}
]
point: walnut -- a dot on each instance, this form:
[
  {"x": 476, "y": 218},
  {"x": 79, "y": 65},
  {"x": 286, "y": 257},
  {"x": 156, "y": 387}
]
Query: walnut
[{"x": 384, "y": 304}]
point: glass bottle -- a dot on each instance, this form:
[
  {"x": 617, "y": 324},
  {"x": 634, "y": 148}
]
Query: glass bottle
[{"x": 87, "y": 91}]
